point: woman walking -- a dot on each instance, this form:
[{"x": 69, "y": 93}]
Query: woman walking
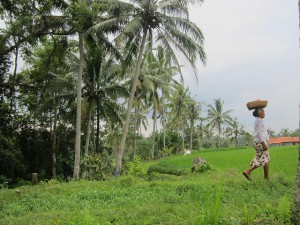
[{"x": 261, "y": 138}]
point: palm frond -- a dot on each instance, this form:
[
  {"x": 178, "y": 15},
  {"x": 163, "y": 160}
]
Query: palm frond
[{"x": 132, "y": 28}]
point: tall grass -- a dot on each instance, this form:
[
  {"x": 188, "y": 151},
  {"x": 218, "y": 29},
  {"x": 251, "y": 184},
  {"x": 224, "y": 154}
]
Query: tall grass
[{"x": 221, "y": 196}]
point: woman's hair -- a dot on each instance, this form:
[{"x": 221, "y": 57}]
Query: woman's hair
[{"x": 256, "y": 111}]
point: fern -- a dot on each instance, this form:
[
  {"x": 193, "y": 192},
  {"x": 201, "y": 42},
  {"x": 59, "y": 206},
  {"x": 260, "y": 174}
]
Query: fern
[
  {"x": 284, "y": 209},
  {"x": 83, "y": 218}
]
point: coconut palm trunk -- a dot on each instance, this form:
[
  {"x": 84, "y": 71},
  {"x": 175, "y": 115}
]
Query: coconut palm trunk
[
  {"x": 87, "y": 138},
  {"x": 78, "y": 112},
  {"x": 191, "y": 135},
  {"x": 163, "y": 120},
  {"x": 153, "y": 134},
  {"x": 121, "y": 149},
  {"x": 219, "y": 136},
  {"x": 54, "y": 138},
  {"x": 135, "y": 131}
]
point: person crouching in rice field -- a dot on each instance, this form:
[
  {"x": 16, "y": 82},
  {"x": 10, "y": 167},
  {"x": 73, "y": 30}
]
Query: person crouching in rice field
[{"x": 261, "y": 138}]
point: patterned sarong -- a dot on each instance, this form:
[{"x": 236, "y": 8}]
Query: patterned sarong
[{"x": 262, "y": 157}]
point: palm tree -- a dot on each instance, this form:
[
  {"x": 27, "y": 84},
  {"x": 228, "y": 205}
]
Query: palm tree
[
  {"x": 166, "y": 71},
  {"x": 234, "y": 130},
  {"x": 150, "y": 80},
  {"x": 179, "y": 103},
  {"x": 201, "y": 130},
  {"x": 285, "y": 132},
  {"x": 162, "y": 21},
  {"x": 193, "y": 115},
  {"x": 78, "y": 111},
  {"x": 156, "y": 77},
  {"x": 217, "y": 117},
  {"x": 98, "y": 79}
]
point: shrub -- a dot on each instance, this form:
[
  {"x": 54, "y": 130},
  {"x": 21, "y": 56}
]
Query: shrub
[
  {"x": 167, "y": 151},
  {"x": 200, "y": 169},
  {"x": 135, "y": 167}
]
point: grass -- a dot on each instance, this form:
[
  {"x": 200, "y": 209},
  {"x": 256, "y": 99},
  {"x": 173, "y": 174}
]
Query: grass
[{"x": 220, "y": 196}]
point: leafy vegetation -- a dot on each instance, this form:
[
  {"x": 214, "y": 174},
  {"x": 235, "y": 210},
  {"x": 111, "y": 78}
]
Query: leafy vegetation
[{"x": 220, "y": 196}]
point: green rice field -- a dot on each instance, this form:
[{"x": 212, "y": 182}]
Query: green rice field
[{"x": 219, "y": 196}]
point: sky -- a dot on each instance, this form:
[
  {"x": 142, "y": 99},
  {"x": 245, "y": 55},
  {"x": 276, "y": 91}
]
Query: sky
[{"x": 253, "y": 52}]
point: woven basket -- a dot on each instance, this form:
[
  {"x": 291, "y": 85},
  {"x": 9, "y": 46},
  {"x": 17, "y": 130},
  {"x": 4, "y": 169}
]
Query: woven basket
[{"x": 257, "y": 104}]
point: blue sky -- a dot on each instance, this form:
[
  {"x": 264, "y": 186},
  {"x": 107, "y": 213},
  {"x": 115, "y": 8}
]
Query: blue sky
[{"x": 253, "y": 52}]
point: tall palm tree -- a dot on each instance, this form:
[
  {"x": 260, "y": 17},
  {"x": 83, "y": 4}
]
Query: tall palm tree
[
  {"x": 193, "y": 115},
  {"x": 78, "y": 110},
  {"x": 178, "y": 105},
  {"x": 99, "y": 79},
  {"x": 157, "y": 75},
  {"x": 218, "y": 117},
  {"x": 167, "y": 72},
  {"x": 161, "y": 21},
  {"x": 201, "y": 130},
  {"x": 234, "y": 130}
]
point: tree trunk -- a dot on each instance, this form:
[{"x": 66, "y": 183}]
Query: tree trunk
[
  {"x": 163, "y": 120},
  {"x": 192, "y": 133},
  {"x": 14, "y": 79},
  {"x": 54, "y": 137},
  {"x": 78, "y": 112},
  {"x": 87, "y": 138},
  {"x": 219, "y": 138},
  {"x": 135, "y": 131},
  {"x": 183, "y": 144},
  {"x": 98, "y": 128},
  {"x": 153, "y": 134},
  {"x": 130, "y": 103}
]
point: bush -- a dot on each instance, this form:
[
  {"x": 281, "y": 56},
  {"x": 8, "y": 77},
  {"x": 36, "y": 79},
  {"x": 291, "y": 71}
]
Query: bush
[
  {"x": 200, "y": 169},
  {"x": 165, "y": 152},
  {"x": 135, "y": 167}
]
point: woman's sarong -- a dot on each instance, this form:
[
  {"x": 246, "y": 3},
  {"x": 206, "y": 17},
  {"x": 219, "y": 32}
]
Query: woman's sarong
[{"x": 262, "y": 157}]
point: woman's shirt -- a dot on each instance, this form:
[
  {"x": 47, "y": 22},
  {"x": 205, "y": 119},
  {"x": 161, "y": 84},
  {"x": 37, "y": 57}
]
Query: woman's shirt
[{"x": 260, "y": 131}]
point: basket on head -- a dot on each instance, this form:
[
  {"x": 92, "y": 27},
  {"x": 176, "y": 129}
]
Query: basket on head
[{"x": 257, "y": 104}]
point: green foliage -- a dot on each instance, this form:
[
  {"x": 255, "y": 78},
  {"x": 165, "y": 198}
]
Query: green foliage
[
  {"x": 202, "y": 168},
  {"x": 284, "y": 209},
  {"x": 222, "y": 196},
  {"x": 98, "y": 166},
  {"x": 172, "y": 170},
  {"x": 165, "y": 152},
  {"x": 249, "y": 217},
  {"x": 135, "y": 167},
  {"x": 80, "y": 16},
  {"x": 214, "y": 212}
]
